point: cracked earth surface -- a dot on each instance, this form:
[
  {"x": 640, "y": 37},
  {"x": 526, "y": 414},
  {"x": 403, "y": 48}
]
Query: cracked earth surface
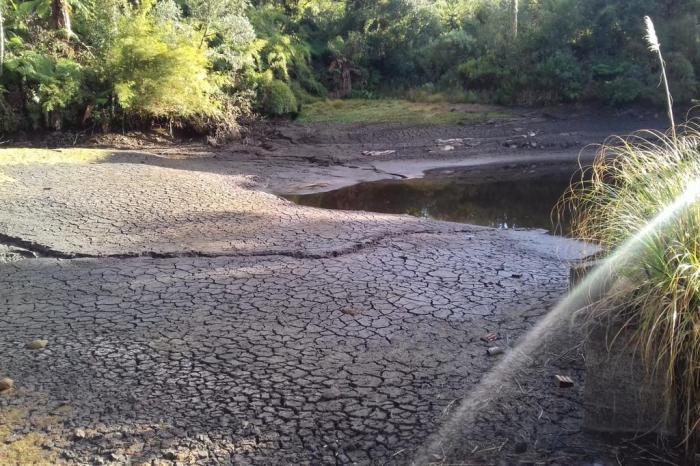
[
  {"x": 194, "y": 320},
  {"x": 131, "y": 210}
]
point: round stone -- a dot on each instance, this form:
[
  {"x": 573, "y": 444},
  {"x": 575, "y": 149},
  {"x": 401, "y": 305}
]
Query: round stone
[
  {"x": 6, "y": 384},
  {"x": 37, "y": 344}
]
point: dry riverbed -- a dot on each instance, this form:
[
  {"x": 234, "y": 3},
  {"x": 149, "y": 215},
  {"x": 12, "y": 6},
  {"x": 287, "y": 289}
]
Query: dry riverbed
[{"x": 193, "y": 318}]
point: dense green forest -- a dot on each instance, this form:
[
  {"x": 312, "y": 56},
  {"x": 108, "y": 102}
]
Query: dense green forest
[{"x": 202, "y": 64}]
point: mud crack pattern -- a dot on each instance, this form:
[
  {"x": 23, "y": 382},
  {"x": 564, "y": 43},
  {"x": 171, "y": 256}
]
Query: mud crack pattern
[{"x": 275, "y": 334}]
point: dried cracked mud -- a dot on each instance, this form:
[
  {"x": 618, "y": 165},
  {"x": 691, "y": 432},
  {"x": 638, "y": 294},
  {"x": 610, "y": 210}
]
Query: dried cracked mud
[{"x": 192, "y": 319}]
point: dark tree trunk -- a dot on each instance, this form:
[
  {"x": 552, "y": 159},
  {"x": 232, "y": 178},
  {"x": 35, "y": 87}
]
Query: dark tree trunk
[{"x": 60, "y": 17}]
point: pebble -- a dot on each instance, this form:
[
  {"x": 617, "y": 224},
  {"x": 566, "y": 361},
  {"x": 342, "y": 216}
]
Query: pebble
[
  {"x": 564, "y": 381},
  {"x": 37, "y": 344},
  {"x": 494, "y": 351},
  {"x": 6, "y": 384}
]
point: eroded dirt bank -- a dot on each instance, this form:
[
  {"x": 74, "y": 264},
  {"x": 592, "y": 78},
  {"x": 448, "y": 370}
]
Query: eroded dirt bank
[{"x": 194, "y": 319}]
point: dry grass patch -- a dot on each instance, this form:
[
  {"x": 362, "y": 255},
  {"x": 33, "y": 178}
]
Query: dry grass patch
[{"x": 25, "y": 449}]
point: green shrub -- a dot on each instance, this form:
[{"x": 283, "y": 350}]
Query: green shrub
[
  {"x": 559, "y": 78},
  {"x": 55, "y": 83},
  {"x": 158, "y": 73},
  {"x": 684, "y": 86},
  {"x": 480, "y": 73},
  {"x": 278, "y": 99},
  {"x": 444, "y": 53}
]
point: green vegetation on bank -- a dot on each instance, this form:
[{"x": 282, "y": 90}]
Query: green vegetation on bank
[
  {"x": 202, "y": 64},
  {"x": 391, "y": 111}
]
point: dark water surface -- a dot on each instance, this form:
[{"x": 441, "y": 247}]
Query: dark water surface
[{"x": 518, "y": 203}]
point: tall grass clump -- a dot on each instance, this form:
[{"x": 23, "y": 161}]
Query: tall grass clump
[{"x": 631, "y": 182}]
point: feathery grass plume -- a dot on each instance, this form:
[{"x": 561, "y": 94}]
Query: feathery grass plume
[
  {"x": 654, "y": 46},
  {"x": 631, "y": 182},
  {"x": 651, "y": 37}
]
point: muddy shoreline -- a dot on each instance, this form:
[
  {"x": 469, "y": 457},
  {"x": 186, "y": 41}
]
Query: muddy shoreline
[{"x": 288, "y": 158}]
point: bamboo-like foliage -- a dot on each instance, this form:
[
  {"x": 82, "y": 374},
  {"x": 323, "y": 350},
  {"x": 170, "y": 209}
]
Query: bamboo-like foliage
[{"x": 631, "y": 182}]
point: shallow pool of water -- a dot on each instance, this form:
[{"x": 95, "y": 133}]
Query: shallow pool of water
[{"x": 518, "y": 203}]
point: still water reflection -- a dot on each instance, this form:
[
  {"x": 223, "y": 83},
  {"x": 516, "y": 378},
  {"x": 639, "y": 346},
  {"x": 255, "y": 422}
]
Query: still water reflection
[{"x": 523, "y": 203}]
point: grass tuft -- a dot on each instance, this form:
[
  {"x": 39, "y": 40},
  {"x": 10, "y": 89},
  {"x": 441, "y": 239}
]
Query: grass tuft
[{"x": 631, "y": 182}]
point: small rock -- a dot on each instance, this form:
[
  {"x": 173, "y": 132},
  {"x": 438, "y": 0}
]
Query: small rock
[
  {"x": 447, "y": 148},
  {"x": 489, "y": 337},
  {"x": 37, "y": 344},
  {"x": 114, "y": 456},
  {"x": 330, "y": 394},
  {"x": 79, "y": 434},
  {"x": 68, "y": 455},
  {"x": 377, "y": 153},
  {"x": 204, "y": 438},
  {"x": 453, "y": 141},
  {"x": 564, "y": 381},
  {"x": 6, "y": 384},
  {"x": 176, "y": 455},
  {"x": 494, "y": 351}
]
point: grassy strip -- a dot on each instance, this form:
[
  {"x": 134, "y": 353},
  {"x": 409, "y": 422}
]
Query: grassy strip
[{"x": 392, "y": 111}]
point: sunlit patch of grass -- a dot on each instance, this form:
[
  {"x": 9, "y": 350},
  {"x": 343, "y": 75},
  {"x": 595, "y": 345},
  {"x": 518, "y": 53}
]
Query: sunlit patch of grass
[
  {"x": 24, "y": 449},
  {"x": 16, "y": 156},
  {"x": 631, "y": 182},
  {"x": 393, "y": 111}
]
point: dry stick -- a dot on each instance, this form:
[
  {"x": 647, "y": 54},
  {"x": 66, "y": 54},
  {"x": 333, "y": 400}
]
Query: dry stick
[{"x": 655, "y": 46}]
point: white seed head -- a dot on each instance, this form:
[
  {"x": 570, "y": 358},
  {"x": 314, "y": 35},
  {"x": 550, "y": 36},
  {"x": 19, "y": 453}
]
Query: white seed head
[{"x": 651, "y": 36}]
